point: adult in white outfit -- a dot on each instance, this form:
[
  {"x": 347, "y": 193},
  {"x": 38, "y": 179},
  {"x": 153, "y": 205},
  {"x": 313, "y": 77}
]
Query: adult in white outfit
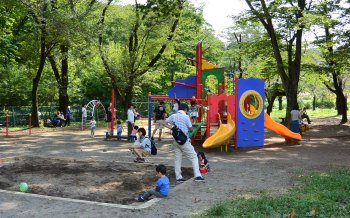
[{"x": 182, "y": 121}]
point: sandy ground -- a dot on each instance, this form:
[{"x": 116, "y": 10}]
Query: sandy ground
[
  {"x": 274, "y": 167},
  {"x": 102, "y": 181}
]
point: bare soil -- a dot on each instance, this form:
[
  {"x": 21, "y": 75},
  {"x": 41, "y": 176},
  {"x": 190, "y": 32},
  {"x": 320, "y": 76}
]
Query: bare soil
[{"x": 108, "y": 182}]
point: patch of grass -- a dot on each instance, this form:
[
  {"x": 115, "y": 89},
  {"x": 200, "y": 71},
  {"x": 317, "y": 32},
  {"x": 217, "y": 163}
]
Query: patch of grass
[
  {"x": 319, "y": 112},
  {"x": 317, "y": 195}
]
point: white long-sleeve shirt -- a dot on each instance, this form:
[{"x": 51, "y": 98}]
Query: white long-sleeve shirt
[{"x": 131, "y": 116}]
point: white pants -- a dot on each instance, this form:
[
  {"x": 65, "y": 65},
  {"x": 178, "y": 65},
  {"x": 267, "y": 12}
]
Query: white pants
[{"x": 188, "y": 150}]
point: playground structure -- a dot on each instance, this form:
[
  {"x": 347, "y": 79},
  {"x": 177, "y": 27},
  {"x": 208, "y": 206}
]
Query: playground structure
[
  {"x": 94, "y": 109},
  {"x": 243, "y": 110}
]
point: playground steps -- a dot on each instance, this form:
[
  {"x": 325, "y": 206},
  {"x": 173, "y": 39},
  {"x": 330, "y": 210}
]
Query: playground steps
[{"x": 199, "y": 132}]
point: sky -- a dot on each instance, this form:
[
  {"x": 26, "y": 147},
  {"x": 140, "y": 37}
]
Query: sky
[{"x": 216, "y": 12}]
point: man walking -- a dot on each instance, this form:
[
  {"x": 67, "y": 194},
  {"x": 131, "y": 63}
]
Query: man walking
[
  {"x": 131, "y": 119},
  {"x": 159, "y": 117},
  {"x": 83, "y": 115},
  {"x": 182, "y": 121}
]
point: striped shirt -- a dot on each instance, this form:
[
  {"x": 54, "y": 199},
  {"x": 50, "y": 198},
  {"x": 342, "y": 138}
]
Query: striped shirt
[{"x": 181, "y": 120}]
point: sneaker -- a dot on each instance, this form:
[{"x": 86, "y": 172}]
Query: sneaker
[
  {"x": 199, "y": 179},
  {"x": 140, "y": 199},
  {"x": 179, "y": 181},
  {"x": 141, "y": 160}
]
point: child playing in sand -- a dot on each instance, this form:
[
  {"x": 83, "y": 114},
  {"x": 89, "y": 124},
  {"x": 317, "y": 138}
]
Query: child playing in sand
[
  {"x": 203, "y": 163},
  {"x": 119, "y": 130},
  {"x": 133, "y": 134},
  {"x": 93, "y": 126},
  {"x": 162, "y": 187}
]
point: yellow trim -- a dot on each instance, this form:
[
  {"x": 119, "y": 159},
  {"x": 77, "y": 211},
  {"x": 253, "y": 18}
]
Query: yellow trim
[
  {"x": 207, "y": 65},
  {"x": 258, "y": 111}
]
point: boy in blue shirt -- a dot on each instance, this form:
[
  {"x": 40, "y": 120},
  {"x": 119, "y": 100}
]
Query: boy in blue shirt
[{"x": 162, "y": 188}]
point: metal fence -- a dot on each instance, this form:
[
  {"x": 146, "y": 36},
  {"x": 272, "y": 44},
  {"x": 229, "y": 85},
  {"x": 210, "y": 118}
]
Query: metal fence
[{"x": 19, "y": 115}]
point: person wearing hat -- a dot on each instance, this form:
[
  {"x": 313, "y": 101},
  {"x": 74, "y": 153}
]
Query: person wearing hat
[
  {"x": 68, "y": 115},
  {"x": 182, "y": 121}
]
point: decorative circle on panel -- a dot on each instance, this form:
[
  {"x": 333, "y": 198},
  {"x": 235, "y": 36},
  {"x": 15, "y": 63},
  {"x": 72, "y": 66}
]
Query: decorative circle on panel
[{"x": 251, "y": 104}]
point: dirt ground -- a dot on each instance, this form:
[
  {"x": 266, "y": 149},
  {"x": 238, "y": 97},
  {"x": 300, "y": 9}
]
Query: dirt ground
[
  {"x": 108, "y": 182},
  {"x": 274, "y": 167}
]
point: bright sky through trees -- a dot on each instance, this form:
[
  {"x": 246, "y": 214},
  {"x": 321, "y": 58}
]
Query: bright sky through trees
[{"x": 216, "y": 12}]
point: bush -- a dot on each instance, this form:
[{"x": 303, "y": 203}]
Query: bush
[{"x": 325, "y": 104}]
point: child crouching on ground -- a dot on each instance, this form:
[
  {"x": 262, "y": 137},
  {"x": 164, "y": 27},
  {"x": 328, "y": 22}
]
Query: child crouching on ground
[
  {"x": 203, "y": 163},
  {"x": 141, "y": 147},
  {"x": 162, "y": 187}
]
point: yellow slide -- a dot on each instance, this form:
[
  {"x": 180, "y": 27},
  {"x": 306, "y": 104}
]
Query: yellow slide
[
  {"x": 279, "y": 128},
  {"x": 222, "y": 135}
]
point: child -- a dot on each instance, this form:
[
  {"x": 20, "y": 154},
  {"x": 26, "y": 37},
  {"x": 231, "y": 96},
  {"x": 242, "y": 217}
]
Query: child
[
  {"x": 193, "y": 111},
  {"x": 162, "y": 187},
  {"x": 133, "y": 134},
  {"x": 119, "y": 130},
  {"x": 142, "y": 146},
  {"x": 203, "y": 163},
  {"x": 93, "y": 126}
]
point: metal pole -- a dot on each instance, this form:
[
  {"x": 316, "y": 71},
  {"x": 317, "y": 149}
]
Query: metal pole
[
  {"x": 82, "y": 121},
  {"x": 30, "y": 124},
  {"x": 7, "y": 123},
  {"x": 149, "y": 115},
  {"x": 112, "y": 110}
]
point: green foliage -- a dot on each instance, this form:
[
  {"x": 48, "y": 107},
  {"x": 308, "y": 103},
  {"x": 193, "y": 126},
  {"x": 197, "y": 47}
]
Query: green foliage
[
  {"x": 318, "y": 194},
  {"x": 15, "y": 85}
]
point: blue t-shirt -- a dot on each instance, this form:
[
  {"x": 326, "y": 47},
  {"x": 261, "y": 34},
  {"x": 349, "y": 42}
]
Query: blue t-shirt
[{"x": 163, "y": 185}]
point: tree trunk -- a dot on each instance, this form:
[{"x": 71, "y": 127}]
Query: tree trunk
[
  {"x": 62, "y": 79},
  {"x": 280, "y": 106},
  {"x": 314, "y": 103},
  {"x": 342, "y": 107},
  {"x": 338, "y": 104},
  {"x": 36, "y": 80},
  {"x": 128, "y": 96},
  {"x": 63, "y": 86},
  {"x": 292, "y": 101},
  {"x": 338, "y": 83},
  {"x": 290, "y": 81},
  {"x": 341, "y": 102},
  {"x": 270, "y": 101}
]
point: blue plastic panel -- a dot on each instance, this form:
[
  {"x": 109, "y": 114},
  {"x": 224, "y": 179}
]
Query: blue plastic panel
[
  {"x": 250, "y": 132},
  {"x": 180, "y": 91}
]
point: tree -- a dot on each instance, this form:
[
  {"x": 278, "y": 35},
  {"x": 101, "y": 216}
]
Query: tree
[
  {"x": 39, "y": 11},
  {"x": 283, "y": 22},
  {"x": 141, "y": 44},
  {"x": 334, "y": 50},
  {"x": 69, "y": 32}
]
